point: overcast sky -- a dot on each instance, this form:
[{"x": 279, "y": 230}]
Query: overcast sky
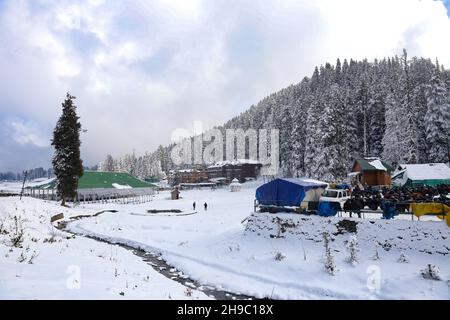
[{"x": 141, "y": 69}]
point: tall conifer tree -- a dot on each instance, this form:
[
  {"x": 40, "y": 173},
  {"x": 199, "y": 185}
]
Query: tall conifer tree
[{"x": 67, "y": 163}]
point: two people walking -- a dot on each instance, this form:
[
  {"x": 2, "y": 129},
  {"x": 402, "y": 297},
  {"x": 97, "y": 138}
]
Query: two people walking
[{"x": 205, "y": 205}]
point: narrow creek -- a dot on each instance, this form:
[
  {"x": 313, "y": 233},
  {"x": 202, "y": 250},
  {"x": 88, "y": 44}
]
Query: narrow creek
[{"x": 155, "y": 260}]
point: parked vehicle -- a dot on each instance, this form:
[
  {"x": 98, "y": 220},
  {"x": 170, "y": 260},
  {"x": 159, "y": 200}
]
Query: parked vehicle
[{"x": 335, "y": 195}]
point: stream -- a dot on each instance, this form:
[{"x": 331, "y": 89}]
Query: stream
[{"x": 155, "y": 260}]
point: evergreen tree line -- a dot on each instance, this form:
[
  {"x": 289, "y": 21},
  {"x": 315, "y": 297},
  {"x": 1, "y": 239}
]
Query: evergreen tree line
[
  {"x": 35, "y": 173},
  {"x": 154, "y": 164},
  {"x": 396, "y": 108}
]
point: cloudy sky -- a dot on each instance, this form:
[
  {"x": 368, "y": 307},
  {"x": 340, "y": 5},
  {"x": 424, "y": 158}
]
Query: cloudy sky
[{"x": 141, "y": 69}]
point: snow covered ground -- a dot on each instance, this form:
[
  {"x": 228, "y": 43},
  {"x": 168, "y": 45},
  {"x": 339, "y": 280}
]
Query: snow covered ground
[
  {"x": 50, "y": 264},
  {"x": 222, "y": 247},
  {"x": 16, "y": 186}
]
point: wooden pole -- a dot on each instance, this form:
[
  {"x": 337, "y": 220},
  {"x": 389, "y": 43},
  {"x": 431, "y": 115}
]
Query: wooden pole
[{"x": 23, "y": 183}]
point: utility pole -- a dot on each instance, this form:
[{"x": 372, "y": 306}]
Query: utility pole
[{"x": 23, "y": 184}]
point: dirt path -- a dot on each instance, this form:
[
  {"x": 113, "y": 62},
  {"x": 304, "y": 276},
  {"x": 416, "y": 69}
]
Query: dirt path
[{"x": 155, "y": 260}]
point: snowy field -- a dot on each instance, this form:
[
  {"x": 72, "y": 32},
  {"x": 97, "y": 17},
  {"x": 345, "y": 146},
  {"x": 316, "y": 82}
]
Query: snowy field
[
  {"x": 16, "y": 186},
  {"x": 50, "y": 264},
  {"x": 222, "y": 247}
]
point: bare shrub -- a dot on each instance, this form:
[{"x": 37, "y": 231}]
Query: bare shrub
[
  {"x": 279, "y": 256},
  {"x": 431, "y": 272}
]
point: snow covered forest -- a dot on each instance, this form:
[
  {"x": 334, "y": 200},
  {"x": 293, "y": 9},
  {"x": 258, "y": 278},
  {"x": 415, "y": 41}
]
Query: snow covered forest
[{"x": 395, "y": 108}]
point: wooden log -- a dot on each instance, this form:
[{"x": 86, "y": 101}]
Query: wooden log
[{"x": 56, "y": 217}]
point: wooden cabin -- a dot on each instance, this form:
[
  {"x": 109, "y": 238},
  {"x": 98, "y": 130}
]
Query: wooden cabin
[
  {"x": 371, "y": 172},
  {"x": 188, "y": 176},
  {"x": 241, "y": 170}
]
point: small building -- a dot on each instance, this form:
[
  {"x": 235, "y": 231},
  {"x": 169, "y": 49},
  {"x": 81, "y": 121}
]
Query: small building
[
  {"x": 427, "y": 174},
  {"x": 97, "y": 186},
  {"x": 175, "y": 194},
  {"x": 235, "y": 186},
  {"x": 242, "y": 169},
  {"x": 371, "y": 172},
  {"x": 290, "y": 192},
  {"x": 188, "y": 176}
]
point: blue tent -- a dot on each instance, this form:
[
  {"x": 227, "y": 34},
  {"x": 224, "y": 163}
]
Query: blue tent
[{"x": 286, "y": 192}]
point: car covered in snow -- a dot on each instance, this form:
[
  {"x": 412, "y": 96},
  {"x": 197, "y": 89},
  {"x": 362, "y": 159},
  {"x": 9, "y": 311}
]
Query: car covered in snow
[{"x": 335, "y": 195}]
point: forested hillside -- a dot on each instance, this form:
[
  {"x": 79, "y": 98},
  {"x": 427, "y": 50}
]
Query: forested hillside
[{"x": 396, "y": 108}]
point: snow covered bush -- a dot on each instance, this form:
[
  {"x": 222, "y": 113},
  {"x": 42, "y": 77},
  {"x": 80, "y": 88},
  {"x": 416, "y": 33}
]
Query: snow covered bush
[
  {"x": 403, "y": 258},
  {"x": 353, "y": 249},
  {"x": 234, "y": 247},
  {"x": 376, "y": 255},
  {"x": 330, "y": 267},
  {"x": 431, "y": 272},
  {"x": 2, "y": 227},
  {"x": 33, "y": 256},
  {"x": 188, "y": 292},
  {"x": 279, "y": 256}
]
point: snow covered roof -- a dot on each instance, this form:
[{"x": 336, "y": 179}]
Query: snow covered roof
[
  {"x": 233, "y": 162},
  {"x": 219, "y": 179},
  {"x": 373, "y": 163},
  {"x": 121, "y": 186},
  {"x": 378, "y": 165},
  {"x": 426, "y": 171},
  {"x": 235, "y": 182},
  {"x": 306, "y": 181}
]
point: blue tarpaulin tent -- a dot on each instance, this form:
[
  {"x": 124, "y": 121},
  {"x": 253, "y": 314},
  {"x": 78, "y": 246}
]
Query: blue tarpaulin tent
[{"x": 286, "y": 192}]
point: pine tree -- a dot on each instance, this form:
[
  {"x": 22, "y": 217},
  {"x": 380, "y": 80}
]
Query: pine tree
[
  {"x": 333, "y": 134},
  {"x": 329, "y": 265},
  {"x": 392, "y": 136},
  {"x": 437, "y": 120},
  {"x": 108, "y": 164},
  {"x": 410, "y": 136},
  {"x": 67, "y": 164},
  {"x": 353, "y": 250}
]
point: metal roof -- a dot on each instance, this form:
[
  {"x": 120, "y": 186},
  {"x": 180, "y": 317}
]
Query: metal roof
[
  {"x": 103, "y": 180},
  {"x": 366, "y": 166}
]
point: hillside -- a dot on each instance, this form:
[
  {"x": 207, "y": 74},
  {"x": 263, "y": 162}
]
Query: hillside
[{"x": 396, "y": 108}]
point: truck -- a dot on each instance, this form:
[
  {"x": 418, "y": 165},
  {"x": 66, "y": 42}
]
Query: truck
[{"x": 335, "y": 195}]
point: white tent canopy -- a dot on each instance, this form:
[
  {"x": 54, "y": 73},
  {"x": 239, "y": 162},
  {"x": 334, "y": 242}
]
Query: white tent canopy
[{"x": 235, "y": 185}]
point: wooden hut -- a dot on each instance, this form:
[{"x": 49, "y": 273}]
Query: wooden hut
[
  {"x": 371, "y": 172},
  {"x": 175, "y": 194}
]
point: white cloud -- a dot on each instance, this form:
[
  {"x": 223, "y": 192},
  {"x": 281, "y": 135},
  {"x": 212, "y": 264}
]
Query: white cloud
[
  {"x": 142, "y": 69},
  {"x": 27, "y": 133}
]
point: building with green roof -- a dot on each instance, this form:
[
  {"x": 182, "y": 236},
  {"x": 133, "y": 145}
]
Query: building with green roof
[{"x": 96, "y": 185}]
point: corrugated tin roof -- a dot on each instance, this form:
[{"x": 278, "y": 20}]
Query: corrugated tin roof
[
  {"x": 105, "y": 180},
  {"x": 426, "y": 171}
]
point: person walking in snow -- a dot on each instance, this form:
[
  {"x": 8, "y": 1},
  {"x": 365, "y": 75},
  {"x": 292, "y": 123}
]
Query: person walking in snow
[
  {"x": 193, "y": 206},
  {"x": 206, "y": 206}
]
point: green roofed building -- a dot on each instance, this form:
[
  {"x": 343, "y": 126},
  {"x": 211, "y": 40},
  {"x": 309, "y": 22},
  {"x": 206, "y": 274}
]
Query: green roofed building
[
  {"x": 95, "y": 185},
  {"x": 426, "y": 174}
]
